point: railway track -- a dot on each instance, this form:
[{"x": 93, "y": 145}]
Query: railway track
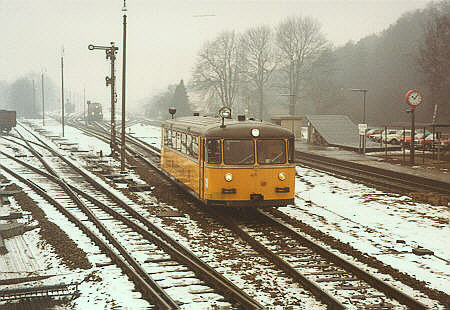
[
  {"x": 326, "y": 275},
  {"x": 383, "y": 298},
  {"x": 332, "y": 279},
  {"x": 385, "y": 179},
  {"x": 164, "y": 254}
]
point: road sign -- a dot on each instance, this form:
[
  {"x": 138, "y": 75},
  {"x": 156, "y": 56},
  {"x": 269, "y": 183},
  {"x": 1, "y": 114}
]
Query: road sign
[{"x": 362, "y": 128}]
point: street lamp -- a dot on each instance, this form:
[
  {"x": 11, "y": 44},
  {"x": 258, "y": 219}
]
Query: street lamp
[
  {"x": 110, "y": 54},
  {"x": 43, "y": 98},
  {"x": 362, "y": 141},
  {"x": 364, "y": 91}
]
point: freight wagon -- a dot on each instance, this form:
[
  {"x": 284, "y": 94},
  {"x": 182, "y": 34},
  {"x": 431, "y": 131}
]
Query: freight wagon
[{"x": 7, "y": 120}]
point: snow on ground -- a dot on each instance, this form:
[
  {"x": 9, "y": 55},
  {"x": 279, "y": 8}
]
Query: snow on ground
[
  {"x": 369, "y": 220},
  {"x": 375, "y": 222}
]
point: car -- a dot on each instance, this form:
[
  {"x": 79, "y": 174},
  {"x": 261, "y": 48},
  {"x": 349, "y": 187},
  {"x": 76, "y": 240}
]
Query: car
[
  {"x": 387, "y": 133},
  {"x": 418, "y": 137},
  {"x": 436, "y": 140},
  {"x": 373, "y": 131},
  {"x": 395, "y": 138}
]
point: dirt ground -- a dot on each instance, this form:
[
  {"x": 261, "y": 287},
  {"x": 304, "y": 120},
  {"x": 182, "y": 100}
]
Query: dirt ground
[{"x": 424, "y": 160}]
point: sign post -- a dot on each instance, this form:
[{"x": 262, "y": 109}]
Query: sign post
[
  {"x": 362, "y": 128},
  {"x": 413, "y": 98}
]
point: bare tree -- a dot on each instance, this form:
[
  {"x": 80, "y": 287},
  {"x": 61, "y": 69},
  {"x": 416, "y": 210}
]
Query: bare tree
[
  {"x": 435, "y": 57},
  {"x": 258, "y": 53},
  {"x": 218, "y": 68},
  {"x": 300, "y": 41}
]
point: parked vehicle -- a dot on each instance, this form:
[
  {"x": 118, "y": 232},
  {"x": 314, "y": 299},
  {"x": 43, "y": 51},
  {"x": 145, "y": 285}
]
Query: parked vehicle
[
  {"x": 395, "y": 138},
  {"x": 441, "y": 140},
  {"x": 418, "y": 138},
  {"x": 7, "y": 120},
  {"x": 373, "y": 131}
]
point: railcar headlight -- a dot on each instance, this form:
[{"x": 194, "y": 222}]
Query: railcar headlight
[
  {"x": 228, "y": 177},
  {"x": 282, "y": 176},
  {"x": 255, "y": 132}
]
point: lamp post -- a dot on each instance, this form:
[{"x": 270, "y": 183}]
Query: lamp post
[
  {"x": 364, "y": 125},
  {"x": 364, "y": 91},
  {"x": 110, "y": 54},
  {"x": 122, "y": 147},
  {"x": 43, "y": 97},
  {"x": 62, "y": 91}
]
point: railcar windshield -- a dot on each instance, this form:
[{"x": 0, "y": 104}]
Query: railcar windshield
[
  {"x": 271, "y": 151},
  {"x": 213, "y": 151},
  {"x": 238, "y": 152}
]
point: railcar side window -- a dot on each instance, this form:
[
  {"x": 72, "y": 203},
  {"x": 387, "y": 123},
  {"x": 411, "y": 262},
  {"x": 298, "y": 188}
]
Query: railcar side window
[
  {"x": 178, "y": 141},
  {"x": 271, "y": 152},
  {"x": 195, "y": 146},
  {"x": 167, "y": 137},
  {"x": 291, "y": 150},
  {"x": 213, "y": 151},
  {"x": 174, "y": 139},
  {"x": 183, "y": 143},
  {"x": 189, "y": 145},
  {"x": 238, "y": 152}
]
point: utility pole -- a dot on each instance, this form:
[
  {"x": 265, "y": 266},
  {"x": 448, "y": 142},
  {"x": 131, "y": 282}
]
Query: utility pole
[
  {"x": 62, "y": 91},
  {"x": 34, "y": 98},
  {"x": 42, "y": 84},
  {"x": 110, "y": 81},
  {"x": 84, "y": 106},
  {"x": 122, "y": 147}
]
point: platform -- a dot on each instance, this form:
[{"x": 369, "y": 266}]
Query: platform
[
  {"x": 339, "y": 130},
  {"x": 372, "y": 161}
]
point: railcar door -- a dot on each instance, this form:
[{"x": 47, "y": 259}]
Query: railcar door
[{"x": 201, "y": 179}]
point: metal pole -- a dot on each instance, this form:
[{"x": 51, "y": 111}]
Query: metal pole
[
  {"x": 364, "y": 105},
  {"x": 84, "y": 106},
  {"x": 34, "y": 98},
  {"x": 364, "y": 119},
  {"x": 413, "y": 129},
  {"x": 113, "y": 100},
  {"x": 42, "y": 83},
  {"x": 423, "y": 146},
  {"x": 62, "y": 93},
  {"x": 404, "y": 143},
  {"x": 122, "y": 148}
]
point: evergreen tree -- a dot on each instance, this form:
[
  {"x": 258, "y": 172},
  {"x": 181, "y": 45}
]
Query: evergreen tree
[{"x": 181, "y": 101}]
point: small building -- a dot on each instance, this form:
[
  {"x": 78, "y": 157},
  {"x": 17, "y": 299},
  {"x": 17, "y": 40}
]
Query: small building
[{"x": 292, "y": 122}]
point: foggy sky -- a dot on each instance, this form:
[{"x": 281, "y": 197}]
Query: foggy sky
[{"x": 163, "y": 37}]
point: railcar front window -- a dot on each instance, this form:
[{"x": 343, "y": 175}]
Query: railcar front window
[
  {"x": 238, "y": 152},
  {"x": 213, "y": 152},
  {"x": 291, "y": 150},
  {"x": 271, "y": 152}
]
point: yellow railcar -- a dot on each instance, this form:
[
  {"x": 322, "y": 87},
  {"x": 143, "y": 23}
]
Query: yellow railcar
[{"x": 230, "y": 162}]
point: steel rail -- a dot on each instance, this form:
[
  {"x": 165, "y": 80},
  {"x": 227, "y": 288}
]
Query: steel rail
[
  {"x": 156, "y": 294},
  {"x": 389, "y": 290},
  {"x": 205, "y": 272},
  {"x": 388, "y": 179},
  {"x": 309, "y": 284},
  {"x": 139, "y": 281}
]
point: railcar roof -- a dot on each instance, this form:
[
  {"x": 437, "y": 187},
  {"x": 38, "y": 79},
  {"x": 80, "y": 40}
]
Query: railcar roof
[{"x": 210, "y": 127}]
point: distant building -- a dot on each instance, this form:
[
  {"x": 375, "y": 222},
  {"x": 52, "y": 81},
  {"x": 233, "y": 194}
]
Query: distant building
[{"x": 292, "y": 122}]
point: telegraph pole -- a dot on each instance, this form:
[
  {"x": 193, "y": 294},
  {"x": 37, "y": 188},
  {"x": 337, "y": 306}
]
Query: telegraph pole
[
  {"x": 34, "y": 99},
  {"x": 122, "y": 147},
  {"x": 84, "y": 106},
  {"x": 42, "y": 84},
  {"x": 110, "y": 81},
  {"x": 62, "y": 91}
]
